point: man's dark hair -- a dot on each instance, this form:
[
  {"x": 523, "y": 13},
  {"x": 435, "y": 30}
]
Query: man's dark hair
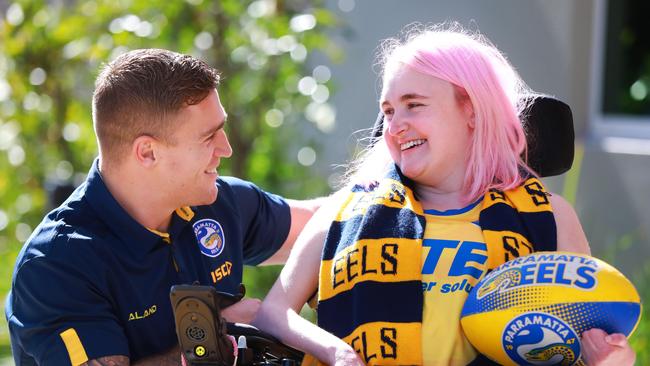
[{"x": 140, "y": 92}]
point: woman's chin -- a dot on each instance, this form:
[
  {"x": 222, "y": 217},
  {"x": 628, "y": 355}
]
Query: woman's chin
[{"x": 413, "y": 173}]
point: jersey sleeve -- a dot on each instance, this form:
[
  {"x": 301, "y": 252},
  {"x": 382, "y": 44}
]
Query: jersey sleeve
[
  {"x": 57, "y": 316},
  {"x": 265, "y": 219}
]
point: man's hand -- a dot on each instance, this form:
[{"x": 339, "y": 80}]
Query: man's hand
[
  {"x": 243, "y": 311},
  {"x": 603, "y": 349}
]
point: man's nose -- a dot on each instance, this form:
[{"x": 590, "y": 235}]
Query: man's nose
[{"x": 223, "y": 148}]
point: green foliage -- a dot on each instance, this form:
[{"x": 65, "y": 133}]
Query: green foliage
[
  {"x": 51, "y": 51},
  {"x": 640, "y": 339}
]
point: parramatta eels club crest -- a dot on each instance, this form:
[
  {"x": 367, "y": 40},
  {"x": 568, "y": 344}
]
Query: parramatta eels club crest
[
  {"x": 537, "y": 338},
  {"x": 210, "y": 236}
]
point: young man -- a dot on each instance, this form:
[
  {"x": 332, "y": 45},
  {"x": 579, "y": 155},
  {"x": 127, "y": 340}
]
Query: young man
[{"x": 91, "y": 285}]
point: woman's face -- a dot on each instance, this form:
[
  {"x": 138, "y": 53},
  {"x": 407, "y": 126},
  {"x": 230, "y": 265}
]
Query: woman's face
[{"x": 427, "y": 129}]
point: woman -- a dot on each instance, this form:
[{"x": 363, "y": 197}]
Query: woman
[{"x": 452, "y": 200}]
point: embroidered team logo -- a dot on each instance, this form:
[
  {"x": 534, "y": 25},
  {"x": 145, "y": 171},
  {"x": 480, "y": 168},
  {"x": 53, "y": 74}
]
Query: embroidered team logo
[
  {"x": 210, "y": 236},
  {"x": 540, "y": 339}
]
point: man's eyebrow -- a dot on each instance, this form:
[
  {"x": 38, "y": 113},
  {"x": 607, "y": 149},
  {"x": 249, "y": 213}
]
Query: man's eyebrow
[{"x": 215, "y": 128}]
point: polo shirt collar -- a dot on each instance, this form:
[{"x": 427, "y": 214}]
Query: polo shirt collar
[{"x": 136, "y": 237}]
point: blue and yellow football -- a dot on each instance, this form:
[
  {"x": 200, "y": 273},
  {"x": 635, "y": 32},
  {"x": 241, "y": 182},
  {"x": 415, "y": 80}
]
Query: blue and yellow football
[{"x": 533, "y": 309}]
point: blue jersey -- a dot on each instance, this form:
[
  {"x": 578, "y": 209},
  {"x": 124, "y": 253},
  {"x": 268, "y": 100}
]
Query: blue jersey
[{"x": 92, "y": 282}]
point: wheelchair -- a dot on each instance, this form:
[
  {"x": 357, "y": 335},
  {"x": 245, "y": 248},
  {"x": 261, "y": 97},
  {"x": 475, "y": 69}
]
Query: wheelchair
[
  {"x": 204, "y": 336},
  {"x": 201, "y": 330}
]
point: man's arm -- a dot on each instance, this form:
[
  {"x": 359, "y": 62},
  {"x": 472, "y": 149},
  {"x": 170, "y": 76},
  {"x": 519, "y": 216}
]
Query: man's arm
[
  {"x": 301, "y": 212},
  {"x": 109, "y": 361},
  {"x": 169, "y": 358}
]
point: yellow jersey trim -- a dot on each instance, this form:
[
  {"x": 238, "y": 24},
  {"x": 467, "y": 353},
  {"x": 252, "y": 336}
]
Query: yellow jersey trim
[
  {"x": 185, "y": 213},
  {"x": 165, "y": 236},
  {"x": 75, "y": 349}
]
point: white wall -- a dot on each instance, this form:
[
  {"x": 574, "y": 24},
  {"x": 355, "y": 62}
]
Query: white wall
[{"x": 536, "y": 36}]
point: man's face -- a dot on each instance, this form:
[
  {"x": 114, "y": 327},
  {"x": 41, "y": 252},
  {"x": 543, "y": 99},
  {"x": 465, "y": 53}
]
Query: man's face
[{"x": 189, "y": 164}]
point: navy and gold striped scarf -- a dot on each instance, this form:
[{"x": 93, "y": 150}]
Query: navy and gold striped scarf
[{"x": 370, "y": 289}]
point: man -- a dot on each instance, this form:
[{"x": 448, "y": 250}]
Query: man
[{"x": 91, "y": 285}]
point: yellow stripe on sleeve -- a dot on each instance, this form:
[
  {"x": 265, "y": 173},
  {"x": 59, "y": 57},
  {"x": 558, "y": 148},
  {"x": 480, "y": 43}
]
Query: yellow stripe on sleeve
[{"x": 75, "y": 349}]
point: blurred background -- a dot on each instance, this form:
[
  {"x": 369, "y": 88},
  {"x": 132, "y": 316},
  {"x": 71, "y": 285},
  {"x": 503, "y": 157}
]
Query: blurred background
[{"x": 300, "y": 86}]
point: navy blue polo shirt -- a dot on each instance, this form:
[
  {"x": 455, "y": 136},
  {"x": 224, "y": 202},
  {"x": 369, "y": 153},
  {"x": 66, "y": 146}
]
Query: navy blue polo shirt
[{"x": 92, "y": 282}]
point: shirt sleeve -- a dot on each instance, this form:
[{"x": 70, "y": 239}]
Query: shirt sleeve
[
  {"x": 57, "y": 316},
  {"x": 265, "y": 219}
]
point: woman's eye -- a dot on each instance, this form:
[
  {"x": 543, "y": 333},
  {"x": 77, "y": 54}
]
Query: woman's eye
[
  {"x": 388, "y": 112},
  {"x": 414, "y": 105}
]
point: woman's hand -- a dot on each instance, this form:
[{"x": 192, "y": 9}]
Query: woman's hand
[
  {"x": 346, "y": 356},
  {"x": 600, "y": 348}
]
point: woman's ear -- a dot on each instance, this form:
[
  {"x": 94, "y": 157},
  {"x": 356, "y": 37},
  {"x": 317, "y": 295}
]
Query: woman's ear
[
  {"x": 466, "y": 106},
  {"x": 468, "y": 110},
  {"x": 144, "y": 150},
  {"x": 472, "y": 121}
]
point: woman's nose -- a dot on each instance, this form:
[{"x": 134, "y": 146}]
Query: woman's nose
[{"x": 396, "y": 125}]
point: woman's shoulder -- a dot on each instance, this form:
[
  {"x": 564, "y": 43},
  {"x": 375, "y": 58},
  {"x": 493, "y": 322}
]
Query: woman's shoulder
[{"x": 570, "y": 236}]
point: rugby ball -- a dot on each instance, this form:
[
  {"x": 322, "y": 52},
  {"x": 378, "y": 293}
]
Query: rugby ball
[{"x": 533, "y": 309}]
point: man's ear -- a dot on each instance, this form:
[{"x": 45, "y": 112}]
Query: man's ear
[{"x": 144, "y": 150}]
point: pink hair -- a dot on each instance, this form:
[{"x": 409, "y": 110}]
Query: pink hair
[{"x": 497, "y": 94}]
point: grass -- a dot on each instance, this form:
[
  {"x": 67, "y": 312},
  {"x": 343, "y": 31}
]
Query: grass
[
  {"x": 6, "y": 268},
  {"x": 5, "y": 347},
  {"x": 640, "y": 340}
]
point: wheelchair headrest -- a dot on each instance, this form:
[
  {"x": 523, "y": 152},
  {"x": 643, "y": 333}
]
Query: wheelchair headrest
[{"x": 548, "y": 123}]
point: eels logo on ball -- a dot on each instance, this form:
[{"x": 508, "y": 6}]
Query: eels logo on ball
[
  {"x": 540, "y": 339},
  {"x": 210, "y": 237}
]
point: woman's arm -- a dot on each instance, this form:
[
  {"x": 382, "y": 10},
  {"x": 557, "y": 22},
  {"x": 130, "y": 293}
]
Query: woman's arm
[
  {"x": 599, "y": 348},
  {"x": 570, "y": 236},
  {"x": 279, "y": 313}
]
